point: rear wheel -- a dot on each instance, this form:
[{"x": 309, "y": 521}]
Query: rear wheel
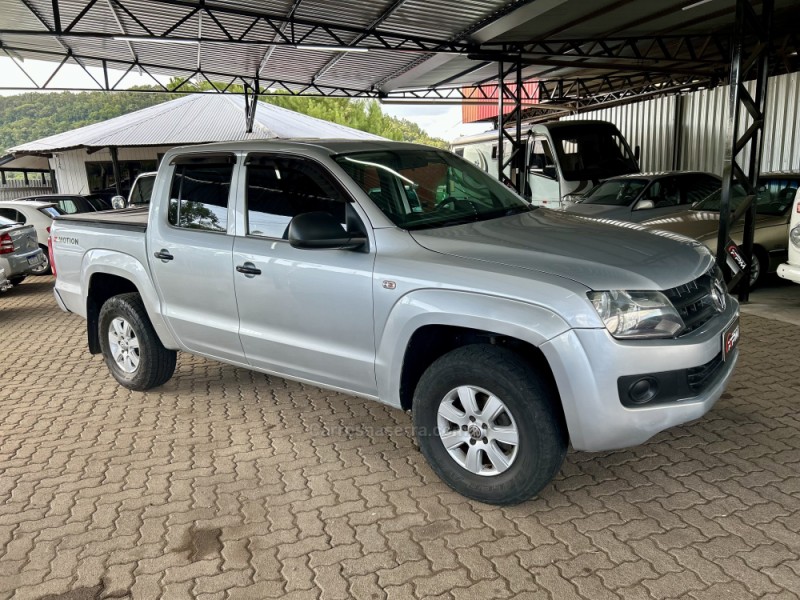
[
  {"x": 133, "y": 353},
  {"x": 489, "y": 424},
  {"x": 16, "y": 280},
  {"x": 43, "y": 268}
]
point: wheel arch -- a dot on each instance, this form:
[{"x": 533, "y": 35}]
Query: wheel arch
[
  {"x": 106, "y": 274},
  {"x": 426, "y": 324}
]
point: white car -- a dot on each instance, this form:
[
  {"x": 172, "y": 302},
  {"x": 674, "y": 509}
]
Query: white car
[
  {"x": 791, "y": 268},
  {"x": 38, "y": 214}
]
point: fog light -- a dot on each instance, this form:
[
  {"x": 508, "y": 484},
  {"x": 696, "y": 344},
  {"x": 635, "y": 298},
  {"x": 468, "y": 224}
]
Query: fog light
[{"x": 643, "y": 390}]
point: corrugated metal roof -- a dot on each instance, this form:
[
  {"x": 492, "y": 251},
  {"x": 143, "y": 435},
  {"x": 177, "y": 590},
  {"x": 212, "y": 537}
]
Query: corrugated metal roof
[
  {"x": 194, "y": 119},
  {"x": 406, "y": 44}
]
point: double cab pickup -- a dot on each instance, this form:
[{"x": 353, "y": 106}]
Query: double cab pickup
[{"x": 404, "y": 274}]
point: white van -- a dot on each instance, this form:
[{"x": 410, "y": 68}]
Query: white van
[
  {"x": 791, "y": 268},
  {"x": 564, "y": 159}
]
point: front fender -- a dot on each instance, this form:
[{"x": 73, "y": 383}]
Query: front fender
[
  {"x": 527, "y": 322},
  {"x": 109, "y": 262}
]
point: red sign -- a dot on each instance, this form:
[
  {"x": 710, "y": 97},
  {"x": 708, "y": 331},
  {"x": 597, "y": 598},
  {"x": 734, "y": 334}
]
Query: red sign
[{"x": 471, "y": 113}]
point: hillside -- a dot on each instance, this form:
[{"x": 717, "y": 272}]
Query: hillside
[{"x": 28, "y": 117}]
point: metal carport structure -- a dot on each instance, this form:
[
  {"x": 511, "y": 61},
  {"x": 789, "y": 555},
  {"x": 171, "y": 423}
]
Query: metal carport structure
[{"x": 582, "y": 55}]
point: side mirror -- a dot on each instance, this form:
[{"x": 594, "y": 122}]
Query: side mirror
[
  {"x": 118, "y": 202},
  {"x": 644, "y": 205},
  {"x": 321, "y": 231},
  {"x": 637, "y": 153}
]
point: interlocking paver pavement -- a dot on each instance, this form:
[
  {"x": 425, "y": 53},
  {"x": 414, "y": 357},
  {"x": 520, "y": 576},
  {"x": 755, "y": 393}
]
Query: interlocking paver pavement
[{"x": 230, "y": 484}]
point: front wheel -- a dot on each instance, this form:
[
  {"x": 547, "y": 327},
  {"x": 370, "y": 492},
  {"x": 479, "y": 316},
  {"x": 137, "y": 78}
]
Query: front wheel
[
  {"x": 130, "y": 346},
  {"x": 489, "y": 424}
]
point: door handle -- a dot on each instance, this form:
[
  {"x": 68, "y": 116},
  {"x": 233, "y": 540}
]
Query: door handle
[
  {"x": 163, "y": 254},
  {"x": 248, "y": 269}
]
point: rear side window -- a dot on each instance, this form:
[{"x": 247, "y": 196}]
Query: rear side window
[
  {"x": 12, "y": 215},
  {"x": 280, "y": 188},
  {"x": 199, "y": 196}
]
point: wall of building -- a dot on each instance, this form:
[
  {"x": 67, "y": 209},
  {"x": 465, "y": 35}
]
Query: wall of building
[
  {"x": 70, "y": 166},
  {"x": 688, "y": 132}
]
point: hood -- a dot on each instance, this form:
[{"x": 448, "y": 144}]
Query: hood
[
  {"x": 703, "y": 224},
  {"x": 599, "y": 254}
]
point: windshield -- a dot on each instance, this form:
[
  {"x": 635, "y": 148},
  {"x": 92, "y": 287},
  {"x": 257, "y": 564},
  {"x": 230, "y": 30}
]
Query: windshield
[
  {"x": 616, "y": 192},
  {"x": 142, "y": 190},
  {"x": 592, "y": 151},
  {"x": 422, "y": 189},
  {"x": 774, "y": 197}
]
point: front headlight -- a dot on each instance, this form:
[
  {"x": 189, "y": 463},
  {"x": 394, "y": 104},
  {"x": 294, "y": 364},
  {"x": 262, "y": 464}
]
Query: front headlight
[
  {"x": 794, "y": 237},
  {"x": 637, "y": 315}
]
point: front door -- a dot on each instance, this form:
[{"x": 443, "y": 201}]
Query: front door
[
  {"x": 303, "y": 313},
  {"x": 191, "y": 256}
]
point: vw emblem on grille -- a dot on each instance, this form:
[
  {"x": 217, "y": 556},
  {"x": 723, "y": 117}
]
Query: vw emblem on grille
[{"x": 718, "y": 294}]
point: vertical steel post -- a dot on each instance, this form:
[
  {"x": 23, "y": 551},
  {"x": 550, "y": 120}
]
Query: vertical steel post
[
  {"x": 516, "y": 158},
  {"x": 115, "y": 167},
  {"x": 501, "y": 74},
  {"x": 745, "y": 64}
]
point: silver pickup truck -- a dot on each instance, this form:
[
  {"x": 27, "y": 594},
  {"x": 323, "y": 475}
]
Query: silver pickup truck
[{"x": 404, "y": 274}]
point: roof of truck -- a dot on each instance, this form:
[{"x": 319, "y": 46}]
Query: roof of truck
[{"x": 326, "y": 146}]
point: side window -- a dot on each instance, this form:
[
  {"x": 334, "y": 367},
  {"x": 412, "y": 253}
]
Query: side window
[
  {"x": 670, "y": 194},
  {"x": 279, "y": 188},
  {"x": 542, "y": 162},
  {"x": 11, "y": 214},
  {"x": 199, "y": 196}
]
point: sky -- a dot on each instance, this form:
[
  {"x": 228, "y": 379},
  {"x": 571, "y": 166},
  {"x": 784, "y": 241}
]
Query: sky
[{"x": 438, "y": 120}]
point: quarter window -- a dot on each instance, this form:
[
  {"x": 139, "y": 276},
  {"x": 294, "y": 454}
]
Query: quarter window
[
  {"x": 199, "y": 196},
  {"x": 280, "y": 188}
]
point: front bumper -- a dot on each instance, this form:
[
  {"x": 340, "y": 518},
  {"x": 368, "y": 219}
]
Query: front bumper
[
  {"x": 16, "y": 265},
  {"x": 587, "y": 365},
  {"x": 790, "y": 272}
]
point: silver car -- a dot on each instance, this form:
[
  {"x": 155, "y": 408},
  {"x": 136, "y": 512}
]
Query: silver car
[
  {"x": 643, "y": 196},
  {"x": 20, "y": 254},
  {"x": 5, "y": 284}
]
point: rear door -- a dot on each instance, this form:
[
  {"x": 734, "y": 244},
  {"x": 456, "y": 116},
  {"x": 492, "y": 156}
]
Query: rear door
[
  {"x": 303, "y": 313},
  {"x": 190, "y": 245}
]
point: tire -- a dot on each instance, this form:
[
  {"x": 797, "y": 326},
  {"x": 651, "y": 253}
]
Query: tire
[
  {"x": 124, "y": 322},
  {"x": 15, "y": 281},
  {"x": 758, "y": 268},
  {"x": 44, "y": 268},
  {"x": 531, "y": 407}
]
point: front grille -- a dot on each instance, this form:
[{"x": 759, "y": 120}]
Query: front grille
[
  {"x": 699, "y": 377},
  {"x": 694, "y": 302}
]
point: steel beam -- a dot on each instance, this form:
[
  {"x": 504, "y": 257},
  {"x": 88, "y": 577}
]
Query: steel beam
[
  {"x": 514, "y": 94},
  {"x": 742, "y": 160}
]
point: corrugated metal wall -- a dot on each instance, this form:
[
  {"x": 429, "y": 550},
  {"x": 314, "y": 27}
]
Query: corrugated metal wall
[{"x": 701, "y": 131}]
